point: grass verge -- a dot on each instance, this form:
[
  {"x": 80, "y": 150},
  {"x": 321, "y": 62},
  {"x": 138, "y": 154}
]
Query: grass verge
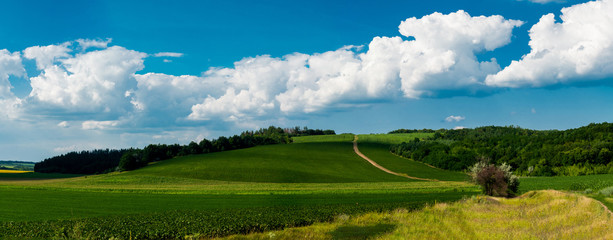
[{"x": 535, "y": 215}]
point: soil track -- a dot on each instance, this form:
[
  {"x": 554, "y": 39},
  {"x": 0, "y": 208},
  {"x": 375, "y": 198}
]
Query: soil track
[{"x": 357, "y": 151}]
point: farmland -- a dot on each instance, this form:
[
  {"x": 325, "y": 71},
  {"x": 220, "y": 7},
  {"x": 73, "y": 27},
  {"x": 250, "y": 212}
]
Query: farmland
[{"x": 315, "y": 179}]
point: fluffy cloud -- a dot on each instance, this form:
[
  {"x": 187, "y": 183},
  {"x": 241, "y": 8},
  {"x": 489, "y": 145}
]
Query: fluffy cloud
[
  {"x": 10, "y": 65},
  {"x": 575, "y": 51},
  {"x": 440, "y": 61},
  {"x": 94, "y": 81},
  {"x": 45, "y": 56},
  {"x": 453, "y": 118},
  {"x": 170, "y": 96},
  {"x": 442, "y": 57},
  {"x": 249, "y": 88}
]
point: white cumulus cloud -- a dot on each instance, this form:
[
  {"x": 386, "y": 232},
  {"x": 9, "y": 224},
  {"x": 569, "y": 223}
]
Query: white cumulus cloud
[
  {"x": 89, "y": 82},
  {"x": 10, "y": 65},
  {"x": 440, "y": 61},
  {"x": 577, "y": 50},
  {"x": 170, "y": 96},
  {"x": 453, "y": 118},
  {"x": 46, "y": 56},
  {"x": 442, "y": 57},
  {"x": 249, "y": 88}
]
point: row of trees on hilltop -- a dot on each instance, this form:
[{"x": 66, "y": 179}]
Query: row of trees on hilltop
[
  {"x": 136, "y": 158},
  {"x": 581, "y": 151},
  {"x": 102, "y": 161},
  {"x": 84, "y": 162}
]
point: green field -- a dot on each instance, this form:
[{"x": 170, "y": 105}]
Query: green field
[
  {"x": 395, "y": 138},
  {"x": 380, "y": 153},
  {"x": 315, "y": 179},
  {"x": 35, "y": 175},
  {"x": 287, "y": 163},
  {"x": 568, "y": 183},
  {"x": 17, "y": 165},
  {"x": 254, "y": 189},
  {"x": 324, "y": 138}
]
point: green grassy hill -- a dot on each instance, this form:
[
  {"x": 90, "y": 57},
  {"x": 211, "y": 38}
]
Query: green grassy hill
[
  {"x": 314, "y": 162},
  {"x": 394, "y": 138},
  {"x": 380, "y": 153}
]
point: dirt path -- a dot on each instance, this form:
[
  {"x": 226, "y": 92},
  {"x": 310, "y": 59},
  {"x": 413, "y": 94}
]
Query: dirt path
[
  {"x": 357, "y": 151},
  {"x": 604, "y": 206}
]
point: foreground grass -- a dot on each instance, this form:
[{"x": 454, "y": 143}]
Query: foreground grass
[{"x": 534, "y": 215}]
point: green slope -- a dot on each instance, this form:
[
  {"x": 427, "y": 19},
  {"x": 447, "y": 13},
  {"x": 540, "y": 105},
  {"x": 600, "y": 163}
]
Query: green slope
[
  {"x": 380, "y": 154},
  {"x": 345, "y": 137},
  {"x": 395, "y": 138},
  {"x": 315, "y": 162}
]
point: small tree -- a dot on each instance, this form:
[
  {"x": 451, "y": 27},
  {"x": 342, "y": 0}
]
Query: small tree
[
  {"x": 131, "y": 160},
  {"x": 495, "y": 180}
]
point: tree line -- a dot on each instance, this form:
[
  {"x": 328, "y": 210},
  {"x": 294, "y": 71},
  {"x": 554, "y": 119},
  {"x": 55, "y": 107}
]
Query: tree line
[
  {"x": 83, "y": 162},
  {"x": 582, "y": 151},
  {"x": 103, "y": 161}
]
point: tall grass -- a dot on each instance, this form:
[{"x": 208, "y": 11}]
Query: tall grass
[{"x": 534, "y": 215}]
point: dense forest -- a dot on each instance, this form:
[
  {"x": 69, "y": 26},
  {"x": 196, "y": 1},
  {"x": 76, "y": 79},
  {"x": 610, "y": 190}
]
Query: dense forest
[
  {"x": 84, "y": 162},
  {"x": 101, "y": 161},
  {"x": 582, "y": 151}
]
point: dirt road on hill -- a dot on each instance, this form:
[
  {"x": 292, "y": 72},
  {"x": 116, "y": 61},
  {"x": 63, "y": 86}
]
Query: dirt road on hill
[{"x": 357, "y": 151}]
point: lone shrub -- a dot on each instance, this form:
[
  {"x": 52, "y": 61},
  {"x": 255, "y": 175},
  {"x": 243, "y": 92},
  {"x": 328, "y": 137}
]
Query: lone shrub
[
  {"x": 607, "y": 191},
  {"x": 496, "y": 181}
]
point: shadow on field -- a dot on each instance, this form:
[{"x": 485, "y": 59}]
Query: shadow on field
[{"x": 361, "y": 232}]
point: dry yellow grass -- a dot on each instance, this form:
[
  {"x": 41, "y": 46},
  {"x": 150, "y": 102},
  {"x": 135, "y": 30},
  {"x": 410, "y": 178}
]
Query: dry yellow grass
[
  {"x": 12, "y": 171},
  {"x": 535, "y": 215}
]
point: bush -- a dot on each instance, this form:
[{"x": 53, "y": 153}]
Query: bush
[
  {"x": 497, "y": 181},
  {"x": 607, "y": 191}
]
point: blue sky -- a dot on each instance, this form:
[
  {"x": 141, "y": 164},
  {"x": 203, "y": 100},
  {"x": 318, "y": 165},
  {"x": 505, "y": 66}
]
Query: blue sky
[{"x": 79, "y": 75}]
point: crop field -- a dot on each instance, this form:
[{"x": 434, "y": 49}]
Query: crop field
[
  {"x": 241, "y": 191},
  {"x": 13, "y": 171},
  {"x": 29, "y": 175},
  {"x": 315, "y": 180},
  {"x": 568, "y": 183}
]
